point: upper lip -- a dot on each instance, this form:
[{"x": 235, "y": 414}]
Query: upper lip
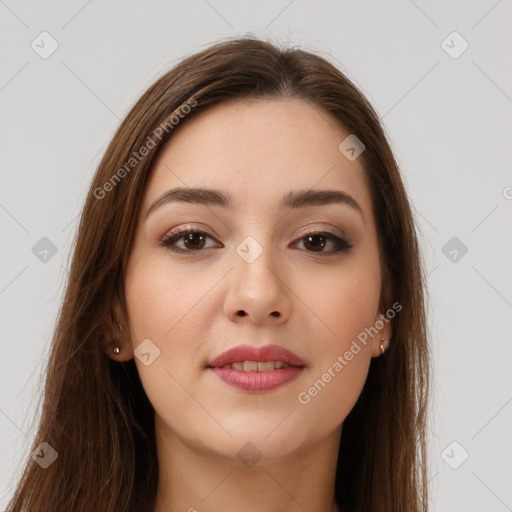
[{"x": 252, "y": 353}]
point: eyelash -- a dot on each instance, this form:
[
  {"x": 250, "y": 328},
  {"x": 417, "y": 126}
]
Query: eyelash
[{"x": 341, "y": 244}]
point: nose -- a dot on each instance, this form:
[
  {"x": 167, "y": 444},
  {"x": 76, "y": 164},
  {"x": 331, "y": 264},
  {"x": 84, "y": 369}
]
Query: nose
[{"x": 258, "y": 290}]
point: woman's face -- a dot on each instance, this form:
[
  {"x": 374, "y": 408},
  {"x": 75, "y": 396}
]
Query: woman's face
[{"x": 255, "y": 278}]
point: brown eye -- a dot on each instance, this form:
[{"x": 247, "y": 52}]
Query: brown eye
[
  {"x": 192, "y": 241},
  {"x": 317, "y": 241}
]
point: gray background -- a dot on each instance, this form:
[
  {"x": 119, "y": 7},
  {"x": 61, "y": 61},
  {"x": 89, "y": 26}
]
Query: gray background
[{"x": 449, "y": 123}]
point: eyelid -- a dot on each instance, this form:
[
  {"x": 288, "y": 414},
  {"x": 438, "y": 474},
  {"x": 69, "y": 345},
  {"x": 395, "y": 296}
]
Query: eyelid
[
  {"x": 189, "y": 227},
  {"x": 303, "y": 231}
]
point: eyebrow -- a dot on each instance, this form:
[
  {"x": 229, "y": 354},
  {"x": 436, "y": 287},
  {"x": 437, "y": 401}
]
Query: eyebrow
[{"x": 291, "y": 200}]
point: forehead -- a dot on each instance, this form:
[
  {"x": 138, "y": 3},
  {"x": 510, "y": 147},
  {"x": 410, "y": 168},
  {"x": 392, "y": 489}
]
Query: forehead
[{"x": 258, "y": 151}]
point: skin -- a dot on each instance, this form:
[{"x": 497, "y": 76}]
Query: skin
[{"x": 187, "y": 306}]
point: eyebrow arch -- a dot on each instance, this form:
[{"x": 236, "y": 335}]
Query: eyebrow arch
[{"x": 291, "y": 200}]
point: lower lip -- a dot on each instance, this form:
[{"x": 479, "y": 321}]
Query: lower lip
[{"x": 258, "y": 382}]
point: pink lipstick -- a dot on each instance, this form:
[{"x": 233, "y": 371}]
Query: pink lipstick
[{"x": 257, "y": 369}]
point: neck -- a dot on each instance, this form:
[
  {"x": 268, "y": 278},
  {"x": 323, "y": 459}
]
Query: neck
[{"x": 193, "y": 479}]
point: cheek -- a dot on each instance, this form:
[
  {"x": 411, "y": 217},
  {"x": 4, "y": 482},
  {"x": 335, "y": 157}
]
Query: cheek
[
  {"x": 346, "y": 303},
  {"x": 347, "y": 307},
  {"x": 164, "y": 307},
  {"x": 164, "y": 302}
]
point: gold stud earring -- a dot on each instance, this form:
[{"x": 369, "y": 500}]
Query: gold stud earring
[
  {"x": 382, "y": 349},
  {"x": 117, "y": 350}
]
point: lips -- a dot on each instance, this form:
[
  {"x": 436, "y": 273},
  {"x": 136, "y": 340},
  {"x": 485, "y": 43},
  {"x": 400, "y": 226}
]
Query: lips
[
  {"x": 243, "y": 353},
  {"x": 257, "y": 369}
]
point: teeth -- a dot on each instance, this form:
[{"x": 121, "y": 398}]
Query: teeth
[
  {"x": 250, "y": 366},
  {"x": 256, "y": 366},
  {"x": 264, "y": 366}
]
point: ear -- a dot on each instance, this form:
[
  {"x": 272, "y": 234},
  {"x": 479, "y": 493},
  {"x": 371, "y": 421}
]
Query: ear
[
  {"x": 117, "y": 334},
  {"x": 383, "y": 322},
  {"x": 385, "y": 331}
]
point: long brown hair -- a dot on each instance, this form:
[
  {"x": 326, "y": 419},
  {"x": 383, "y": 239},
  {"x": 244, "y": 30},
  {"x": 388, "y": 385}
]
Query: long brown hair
[{"x": 95, "y": 413}]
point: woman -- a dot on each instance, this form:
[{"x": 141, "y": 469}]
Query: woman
[{"x": 244, "y": 326}]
